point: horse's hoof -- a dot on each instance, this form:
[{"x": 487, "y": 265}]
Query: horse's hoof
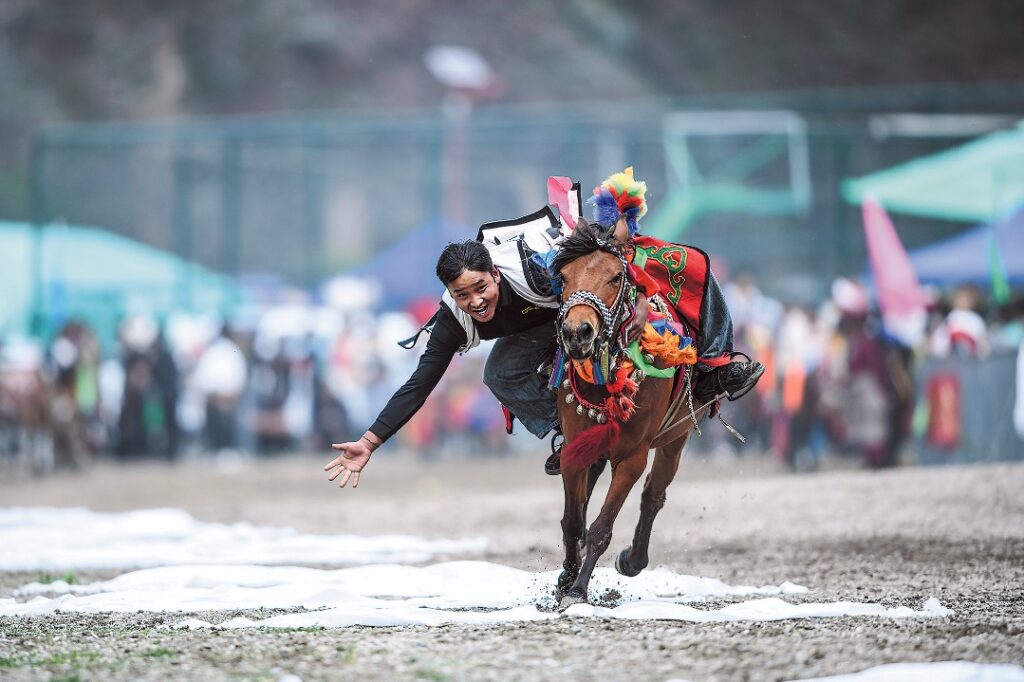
[
  {"x": 564, "y": 584},
  {"x": 623, "y": 566},
  {"x": 570, "y": 599}
]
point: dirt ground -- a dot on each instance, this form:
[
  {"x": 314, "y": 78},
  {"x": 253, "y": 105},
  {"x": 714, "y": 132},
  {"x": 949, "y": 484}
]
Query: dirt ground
[{"x": 895, "y": 538}]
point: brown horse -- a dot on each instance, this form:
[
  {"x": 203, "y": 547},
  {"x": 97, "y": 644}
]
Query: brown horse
[{"x": 596, "y": 299}]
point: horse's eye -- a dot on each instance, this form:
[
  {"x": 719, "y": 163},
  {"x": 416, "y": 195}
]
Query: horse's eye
[{"x": 616, "y": 279}]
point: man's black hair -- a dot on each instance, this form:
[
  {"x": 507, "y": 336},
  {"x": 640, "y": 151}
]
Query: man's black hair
[{"x": 458, "y": 257}]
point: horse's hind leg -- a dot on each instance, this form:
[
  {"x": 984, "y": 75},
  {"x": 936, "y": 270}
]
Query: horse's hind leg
[
  {"x": 634, "y": 558},
  {"x": 625, "y": 474}
]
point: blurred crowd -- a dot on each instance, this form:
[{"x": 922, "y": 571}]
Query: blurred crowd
[
  {"x": 837, "y": 382},
  {"x": 300, "y": 376},
  {"x": 291, "y": 377}
]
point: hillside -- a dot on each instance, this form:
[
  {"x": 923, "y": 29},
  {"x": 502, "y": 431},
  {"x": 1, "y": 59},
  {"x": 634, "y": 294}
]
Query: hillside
[{"x": 88, "y": 60}]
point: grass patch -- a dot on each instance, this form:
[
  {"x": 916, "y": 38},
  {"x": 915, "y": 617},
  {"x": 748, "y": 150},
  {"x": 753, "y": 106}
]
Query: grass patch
[
  {"x": 72, "y": 658},
  {"x": 75, "y": 658},
  {"x": 46, "y": 578},
  {"x": 433, "y": 675},
  {"x": 160, "y": 652}
]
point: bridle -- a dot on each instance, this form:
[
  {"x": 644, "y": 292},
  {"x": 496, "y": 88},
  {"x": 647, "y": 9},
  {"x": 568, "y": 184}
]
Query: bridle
[{"x": 612, "y": 318}]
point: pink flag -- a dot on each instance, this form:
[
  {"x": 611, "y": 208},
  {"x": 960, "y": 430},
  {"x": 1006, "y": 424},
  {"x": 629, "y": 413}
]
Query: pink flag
[
  {"x": 559, "y": 189},
  {"x": 899, "y": 293}
]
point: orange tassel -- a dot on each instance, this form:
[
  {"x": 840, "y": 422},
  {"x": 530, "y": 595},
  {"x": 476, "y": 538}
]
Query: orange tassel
[
  {"x": 585, "y": 369},
  {"x": 666, "y": 347}
]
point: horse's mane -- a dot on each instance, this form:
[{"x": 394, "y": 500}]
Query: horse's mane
[{"x": 586, "y": 238}]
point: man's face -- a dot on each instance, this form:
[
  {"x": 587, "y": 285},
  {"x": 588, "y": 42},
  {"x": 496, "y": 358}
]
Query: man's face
[{"x": 476, "y": 293}]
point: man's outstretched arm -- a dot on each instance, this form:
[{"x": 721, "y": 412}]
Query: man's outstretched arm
[{"x": 445, "y": 341}]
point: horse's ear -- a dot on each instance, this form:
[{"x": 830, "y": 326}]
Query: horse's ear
[
  {"x": 621, "y": 231},
  {"x": 603, "y": 234}
]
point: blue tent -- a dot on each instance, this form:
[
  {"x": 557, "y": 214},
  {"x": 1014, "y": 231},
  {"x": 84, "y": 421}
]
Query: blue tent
[
  {"x": 405, "y": 270},
  {"x": 965, "y": 257}
]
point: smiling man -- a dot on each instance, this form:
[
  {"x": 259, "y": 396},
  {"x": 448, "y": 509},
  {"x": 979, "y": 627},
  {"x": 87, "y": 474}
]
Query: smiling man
[
  {"x": 495, "y": 288},
  {"x": 511, "y": 301}
]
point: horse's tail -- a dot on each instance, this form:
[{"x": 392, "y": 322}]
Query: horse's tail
[{"x": 588, "y": 446}]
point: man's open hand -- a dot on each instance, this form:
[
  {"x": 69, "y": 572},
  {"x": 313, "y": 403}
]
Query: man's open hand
[{"x": 352, "y": 459}]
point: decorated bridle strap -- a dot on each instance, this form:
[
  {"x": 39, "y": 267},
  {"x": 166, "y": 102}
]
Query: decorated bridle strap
[
  {"x": 589, "y": 298},
  {"x": 610, "y": 317},
  {"x": 576, "y": 392}
]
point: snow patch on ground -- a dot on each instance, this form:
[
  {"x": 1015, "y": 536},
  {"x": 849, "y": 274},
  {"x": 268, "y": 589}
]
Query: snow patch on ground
[
  {"x": 47, "y": 538},
  {"x": 946, "y": 671},
  {"x": 470, "y": 592}
]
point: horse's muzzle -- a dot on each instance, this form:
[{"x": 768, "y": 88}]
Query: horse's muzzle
[{"x": 578, "y": 340}]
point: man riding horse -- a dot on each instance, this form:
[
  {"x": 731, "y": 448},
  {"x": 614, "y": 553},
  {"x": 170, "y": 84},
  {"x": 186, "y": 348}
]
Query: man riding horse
[{"x": 503, "y": 290}]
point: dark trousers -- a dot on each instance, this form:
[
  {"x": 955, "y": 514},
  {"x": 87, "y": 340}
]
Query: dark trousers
[
  {"x": 511, "y": 374},
  {"x": 715, "y": 338}
]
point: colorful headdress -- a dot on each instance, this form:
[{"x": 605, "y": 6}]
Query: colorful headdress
[{"x": 620, "y": 195}]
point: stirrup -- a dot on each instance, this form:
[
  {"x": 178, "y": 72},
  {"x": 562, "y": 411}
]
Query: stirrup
[
  {"x": 556, "y": 449},
  {"x": 553, "y": 464}
]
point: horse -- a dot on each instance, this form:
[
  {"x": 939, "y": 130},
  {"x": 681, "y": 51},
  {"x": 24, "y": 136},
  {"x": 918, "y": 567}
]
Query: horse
[{"x": 596, "y": 305}]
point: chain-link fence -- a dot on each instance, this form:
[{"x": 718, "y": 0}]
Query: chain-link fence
[{"x": 308, "y": 197}]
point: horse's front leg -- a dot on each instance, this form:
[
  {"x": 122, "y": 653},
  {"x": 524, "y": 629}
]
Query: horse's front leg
[
  {"x": 574, "y": 519},
  {"x": 634, "y": 559},
  {"x": 625, "y": 474}
]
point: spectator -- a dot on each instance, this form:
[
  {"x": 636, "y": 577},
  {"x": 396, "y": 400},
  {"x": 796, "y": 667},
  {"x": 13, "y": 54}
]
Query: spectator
[
  {"x": 963, "y": 333},
  {"x": 221, "y": 375}
]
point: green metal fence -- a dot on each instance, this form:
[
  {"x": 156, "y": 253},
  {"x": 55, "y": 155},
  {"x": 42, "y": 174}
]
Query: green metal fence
[{"x": 306, "y": 197}]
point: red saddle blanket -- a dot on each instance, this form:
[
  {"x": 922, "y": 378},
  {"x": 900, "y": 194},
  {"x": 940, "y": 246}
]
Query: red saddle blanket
[{"x": 678, "y": 273}]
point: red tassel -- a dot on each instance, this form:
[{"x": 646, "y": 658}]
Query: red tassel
[
  {"x": 611, "y": 406},
  {"x": 623, "y": 383},
  {"x": 626, "y": 407},
  {"x": 615, "y": 386},
  {"x": 589, "y": 446}
]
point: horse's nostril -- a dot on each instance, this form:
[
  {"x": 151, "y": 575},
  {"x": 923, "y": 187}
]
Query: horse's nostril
[
  {"x": 566, "y": 331},
  {"x": 585, "y": 332}
]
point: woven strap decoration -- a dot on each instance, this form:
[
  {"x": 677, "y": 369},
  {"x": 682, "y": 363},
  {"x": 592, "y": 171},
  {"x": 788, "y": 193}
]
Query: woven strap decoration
[{"x": 589, "y": 298}]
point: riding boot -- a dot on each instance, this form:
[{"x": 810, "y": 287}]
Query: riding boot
[{"x": 733, "y": 380}]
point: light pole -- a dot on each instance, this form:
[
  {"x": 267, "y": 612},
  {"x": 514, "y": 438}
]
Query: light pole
[{"x": 467, "y": 79}]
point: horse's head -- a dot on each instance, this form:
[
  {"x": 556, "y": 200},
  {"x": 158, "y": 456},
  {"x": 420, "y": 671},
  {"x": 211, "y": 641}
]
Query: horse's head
[{"x": 593, "y": 289}]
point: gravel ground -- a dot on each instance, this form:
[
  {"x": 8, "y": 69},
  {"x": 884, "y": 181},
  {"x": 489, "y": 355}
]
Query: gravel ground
[{"x": 895, "y": 538}]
